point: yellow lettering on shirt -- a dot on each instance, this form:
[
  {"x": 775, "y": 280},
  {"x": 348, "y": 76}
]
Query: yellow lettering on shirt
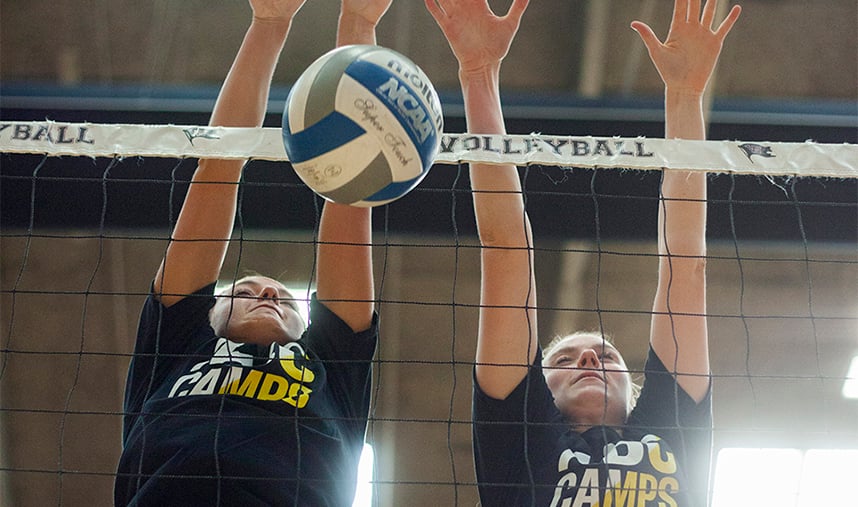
[
  {"x": 623, "y": 495},
  {"x": 247, "y": 388},
  {"x": 299, "y": 395},
  {"x": 665, "y": 464},
  {"x": 630, "y": 489},
  {"x": 647, "y": 486},
  {"x": 274, "y": 387},
  {"x": 304, "y": 375}
]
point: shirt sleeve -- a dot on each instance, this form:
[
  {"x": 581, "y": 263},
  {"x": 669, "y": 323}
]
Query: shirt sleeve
[
  {"x": 348, "y": 360},
  {"x": 666, "y": 410},
  {"x": 333, "y": 340},
  {"x": 664, "y": 404},
  {"x": 163, "y": 334},
  {"x": 158, "y": 323},
  {"x": 505, "y": 431}
]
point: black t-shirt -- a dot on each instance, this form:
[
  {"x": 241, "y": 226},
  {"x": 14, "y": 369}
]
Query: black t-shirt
[
  {"x": 212, "y": 422},
  {"x": 526, "y": 453}
]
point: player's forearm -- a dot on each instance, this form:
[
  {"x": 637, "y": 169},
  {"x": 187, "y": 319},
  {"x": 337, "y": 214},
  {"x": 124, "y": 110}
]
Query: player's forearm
[
  {"x": 682, "y": 213},
  {"x": 242, "y": 102},
  {"x": 683, "y": 111},
  {"x": 344, "y": 269},
  {"x": 204, "y": 225},
  {"x": 498, "y": 201},
  {"x": 243, "y": 99},
  {"x": 679, "y": 333}
]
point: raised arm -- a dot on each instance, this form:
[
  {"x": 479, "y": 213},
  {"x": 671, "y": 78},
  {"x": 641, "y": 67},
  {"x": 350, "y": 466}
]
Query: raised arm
[
  {"x": 200, "y": 239},
  {"x": 344, "y": 269},
  {"x": 507, "y": 339},
  {"x": 685, "y": 62}
]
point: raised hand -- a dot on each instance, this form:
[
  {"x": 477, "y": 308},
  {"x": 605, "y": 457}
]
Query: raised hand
[
  {"x": 687, "y": 57},
  {"x": 476, "y": 35},
  {"x": 369, "y": 10},
  {"x": 275, "y": 10}
]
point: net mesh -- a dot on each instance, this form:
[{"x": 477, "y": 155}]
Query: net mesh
[{"x": 84, "y": 230}]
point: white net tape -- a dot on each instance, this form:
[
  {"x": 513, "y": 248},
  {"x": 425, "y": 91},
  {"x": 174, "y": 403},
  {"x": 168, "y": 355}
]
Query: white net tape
[{"x": 760, "y": 158}]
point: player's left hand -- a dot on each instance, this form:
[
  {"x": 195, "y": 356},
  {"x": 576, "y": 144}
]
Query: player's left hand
[
  {"x": 477, "y": 36},
  {"x": 370, "y": 10},
  {"x": 275, "y": 10},
  {"x": 687, "y": 57}
]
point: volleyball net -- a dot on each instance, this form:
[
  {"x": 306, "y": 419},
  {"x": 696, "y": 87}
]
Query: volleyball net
[
  {"x": 117, "y": 140},
  {"x": 87, "y": 213}
]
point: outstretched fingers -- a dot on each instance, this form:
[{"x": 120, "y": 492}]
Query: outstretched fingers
[
  {"x": 434, "y": 9},
  {"x": 516, "y": 10},
  {"x": 444, "y": 8},
  {"x": 477, "y": 35},
  {"x": 648, "y": 37},
  {"x": 693, "y": 7},
  {"x": 709, "y": 13},
  {"x": 680, "y": 13},
  {"x": 728, "y": 22},
  {"x": 708, "y": 20}
]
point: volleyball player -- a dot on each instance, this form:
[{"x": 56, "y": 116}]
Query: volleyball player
[
  {"x": 232, "y": 400},
  {"x": 556, "y": 427}
]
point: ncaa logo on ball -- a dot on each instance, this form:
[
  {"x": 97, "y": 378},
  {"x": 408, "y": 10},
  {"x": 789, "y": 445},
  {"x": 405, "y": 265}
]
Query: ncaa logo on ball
[
  {"x": 370, "y": 112},
  {"x": 399, "y": 95}
]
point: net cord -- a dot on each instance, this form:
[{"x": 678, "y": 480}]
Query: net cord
[{"x": 265, "y": 143}]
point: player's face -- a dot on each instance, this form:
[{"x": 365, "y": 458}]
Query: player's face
[
  {"x": 257, "y": 310},
  {"x": 589, "y": 380}
]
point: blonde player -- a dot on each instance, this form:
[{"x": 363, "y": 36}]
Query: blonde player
[
  {"x": 232, "y": 400},
  {"x": 556, "y": 427}
]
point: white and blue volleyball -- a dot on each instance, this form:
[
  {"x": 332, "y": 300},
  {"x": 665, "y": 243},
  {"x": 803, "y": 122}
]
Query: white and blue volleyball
[{"x": 362, "y": 125}]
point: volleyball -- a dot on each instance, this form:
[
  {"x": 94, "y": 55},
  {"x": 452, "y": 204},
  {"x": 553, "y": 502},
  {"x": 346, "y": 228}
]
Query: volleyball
[{"x": 362, "y": 125}]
